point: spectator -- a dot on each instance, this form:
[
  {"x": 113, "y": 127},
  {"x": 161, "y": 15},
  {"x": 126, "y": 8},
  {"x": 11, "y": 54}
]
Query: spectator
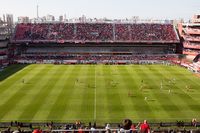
[
  {"x": 37, "y": 131},
  {"x": 127, "y": 124},
  {"x": 194, "y": 122},
  {"x": 144, "y": 127},
  {"x": 134, "y": 128},
  {"x": 92, "y": 129},
  {"x": 80, "y": 129},
  {"x": 107, "y": 126}
]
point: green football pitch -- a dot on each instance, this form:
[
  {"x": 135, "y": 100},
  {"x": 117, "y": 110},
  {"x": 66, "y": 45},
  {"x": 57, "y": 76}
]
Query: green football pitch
[{"x": 101, "y": 93}]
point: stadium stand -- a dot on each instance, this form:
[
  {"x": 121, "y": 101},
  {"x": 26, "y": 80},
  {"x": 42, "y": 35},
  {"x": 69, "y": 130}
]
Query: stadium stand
[
  {"x": 190, "y": 38},
  {"x": 190, "y": 34},
  {"x": 168, "y": 127},
  {"x": 97, "y": 42},
  {"x": 153, "y": 32},
  {"x": 94, "y": 59},
  {"x": 3, "y": 46},
  {"x": 94, "y": 32},
  {"x": 122, "y": 32}
]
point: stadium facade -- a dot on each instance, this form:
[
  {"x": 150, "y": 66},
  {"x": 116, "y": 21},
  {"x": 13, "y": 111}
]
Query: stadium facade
[
  {"x": 190, "y": 33},
  {"x": 190, "y": 36}
]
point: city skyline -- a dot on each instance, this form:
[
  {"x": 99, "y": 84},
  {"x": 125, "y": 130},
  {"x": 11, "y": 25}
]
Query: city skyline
[{"x": 113, "y": 9}]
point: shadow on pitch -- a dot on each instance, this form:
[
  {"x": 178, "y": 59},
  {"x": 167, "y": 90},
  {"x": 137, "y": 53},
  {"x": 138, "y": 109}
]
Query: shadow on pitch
[{"x": 10, "y": 70}]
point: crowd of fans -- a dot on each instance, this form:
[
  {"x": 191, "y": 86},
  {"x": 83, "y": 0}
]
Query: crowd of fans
[
  {"x": 126, "y": 126},
  {"x": 45, "y": 32},
  {"x": 94, "y": 32},
  {"x": 39, "y": 32},
  {"x": 153, "y": 32},
  {"x": 122, "y": 32},
  {"x": 93, "y": 59},
  {"x": 23, "y": 32}
]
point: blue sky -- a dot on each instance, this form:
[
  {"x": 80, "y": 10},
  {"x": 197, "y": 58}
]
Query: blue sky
[{"x": 157, "y": 9}]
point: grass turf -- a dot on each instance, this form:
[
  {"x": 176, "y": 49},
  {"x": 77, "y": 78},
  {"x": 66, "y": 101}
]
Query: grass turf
[{"x": 101, "y": 93}]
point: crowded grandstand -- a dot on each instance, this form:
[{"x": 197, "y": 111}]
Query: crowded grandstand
[
  {"x": 94, "y": 32},
  {"x": 94, "y": 42}
]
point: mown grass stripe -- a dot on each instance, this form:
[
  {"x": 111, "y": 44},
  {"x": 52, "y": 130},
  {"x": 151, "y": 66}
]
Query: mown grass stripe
[
  {"x": 147, "y": 91},
  {"x": 183, "y": 98},
  {"x": 112, "y": 86},
  {"x": 13, "y": 82},
  {"x": 86, "y": 108},
  {"x": 113, "y": 96},
  {"x": 139, "y": 104},
  {"x": 44, "y": 87},
  {"x": 167, "y": 103},
  {"x": 102, "y": 101},
  {"x": 74, "y": 101},
  {"x": 155, "y": 83},
  {"x": 185, "y": 75},
  {"x": 107, "y": 93},
  {"x": 122, "y": 93},
  {"x": 59, "y": 110},
  {"x": 13, "y": 101},
  {"x": 53, "y": 93}
]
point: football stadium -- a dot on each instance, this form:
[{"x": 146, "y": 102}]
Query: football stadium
[{"x": 76, "y": 77}]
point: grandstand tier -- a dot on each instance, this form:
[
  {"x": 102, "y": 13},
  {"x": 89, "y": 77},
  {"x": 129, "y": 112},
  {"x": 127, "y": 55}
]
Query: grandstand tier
[
  {"x": 93, "y": 41},
  {"x": 96, "y": 53},
  {"x": 191, "y": 38},
  {"x": 94, "y": 32}
]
